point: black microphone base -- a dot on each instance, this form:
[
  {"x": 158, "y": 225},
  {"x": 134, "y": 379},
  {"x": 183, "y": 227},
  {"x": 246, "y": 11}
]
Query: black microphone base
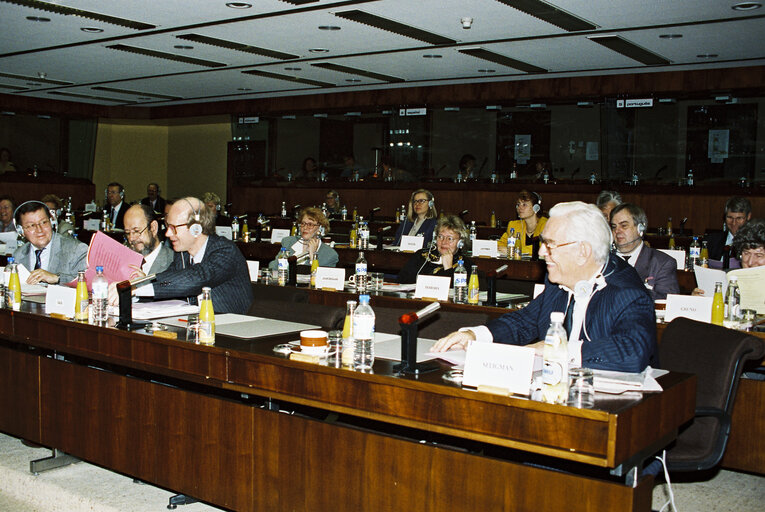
[
  {"x": 131, "y": 326},
  {"x": 417, "y": 369}
]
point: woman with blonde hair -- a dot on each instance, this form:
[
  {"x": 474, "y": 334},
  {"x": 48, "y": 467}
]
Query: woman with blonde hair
[{"x": 420, "y": 218}]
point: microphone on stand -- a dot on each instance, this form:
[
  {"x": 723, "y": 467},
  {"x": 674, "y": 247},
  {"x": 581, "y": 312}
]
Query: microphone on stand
[
  {"x": 574, "y": 173},
  {"x": 462, "y": 214},
  {"x": 409, "y": 330},
  {"x": 491, "y": 284},
  {"x": 380, "y": 236},
  {"x": 682, "y": 225},
  {"x": 372, "y": 213}
]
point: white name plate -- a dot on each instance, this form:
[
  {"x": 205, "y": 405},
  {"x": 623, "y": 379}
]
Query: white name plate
[
  {"x": 432, "y": 287},
  {"x": 278, "y": 234},
  {"x": 253, "y": 267},
  {"x": 225, "y": 232},
  {"x": 486, "y": 248},
  {"x": 328, "y": 277},
  {"x": 91, "y": 224},
  {"x": 60, "y": 299},
  {"x": 500, "y": 366},
  {"x": 411, "y": 243},
  {"x": 688, "y": 306}
]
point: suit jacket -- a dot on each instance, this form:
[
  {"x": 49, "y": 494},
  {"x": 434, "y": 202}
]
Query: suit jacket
[
  {"x": 223, "y": 269},
  {"x": 163, "y": 260},
  {"x": 716, "y": 243},
  {"x": 160, "y": 207},
  {"x": 619, "y": 330},
  {"x": 119, "y": 222},
  {"x": 327, "y": 255},
  {"x": 659, "y": 271},
  {"x": 426, "y": 230},
  {"x": 67, "y": 257}
]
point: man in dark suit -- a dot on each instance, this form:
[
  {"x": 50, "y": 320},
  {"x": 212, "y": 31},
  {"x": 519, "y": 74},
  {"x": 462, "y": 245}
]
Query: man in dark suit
[
  {"x": 153, "y": 199},
  {"x": 610, "y": 317},
  {"x": 115, "y": 195},
  {"x": 738, "y": 211},
  {"x": 141, "y": 230},
  {"x": 201, "y": 259},
  {"x": 657, "y": 270}
]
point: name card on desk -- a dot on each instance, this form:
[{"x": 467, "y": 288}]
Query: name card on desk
[
  {"x": 485, "y": 248},
  {"x": 678, "y": 255},
  {"x": 499, "y": 366},
  {"x": 328, "y": 277},
  {"x": 253, "y": 267},
  {"x": 91, "y": 224},
  {"x": 688, "y": 306},
  {"x": 278, "y": 234},
  {"x": 432, "y": 287},
  {"x": 225, "y": 232},
  {"x": 60, "y": 300},
  {"x": 411, "y": 243}
]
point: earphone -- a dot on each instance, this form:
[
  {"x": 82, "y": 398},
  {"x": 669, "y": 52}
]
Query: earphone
[
  {"x": 538, "y": 205},
  {"x": 195, "y": 228},
  {"x": 16, "y": 216},
  {"x": 122, "y": 190},
  {"x": 641, "y": 229}
]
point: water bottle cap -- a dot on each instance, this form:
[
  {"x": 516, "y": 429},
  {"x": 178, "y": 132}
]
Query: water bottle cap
[
  {"x": 556, "y": 316},
  {"x": 10, "y": 259},
  {"x": 99, "y": 268},
  {"x": 364, "y": 299},
  {"x": 460, "y": 262}
]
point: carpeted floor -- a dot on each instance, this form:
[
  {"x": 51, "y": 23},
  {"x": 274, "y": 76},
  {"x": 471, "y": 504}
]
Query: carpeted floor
[{"x": 84, "y": 487}]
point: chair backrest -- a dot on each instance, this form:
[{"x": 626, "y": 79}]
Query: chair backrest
[
  {"x": 329, "y": 317},
  {"x": 435, "y": 326},
  {"x": 283, "y": 293}
]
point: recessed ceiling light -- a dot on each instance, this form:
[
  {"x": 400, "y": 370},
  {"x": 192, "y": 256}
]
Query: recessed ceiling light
[
  {"x": 432, "y": 56},
  {"x": 38, "y": 18},
  {"x": 183, "y": 47},
  {"x": 670, "y": 36},
  {"x": 244, "y": 89},
  {"x": 292, "y": 68},
  {"x": 329, "y": 27},
  {"x": 707, "y": 55},
  {"x": 487, "y": 70},
  {"x": 746, "y": 6},
  {"x": 41, "y": 74},
  {"x": 238, "y": 5},
  {"x": 92, "y": 30},
  {"x": 352, "y": 80},
  {"x": 318, "y": 50}
]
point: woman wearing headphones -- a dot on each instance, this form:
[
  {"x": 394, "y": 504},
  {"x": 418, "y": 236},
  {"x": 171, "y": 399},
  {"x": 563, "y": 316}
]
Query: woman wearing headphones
[
  {"x": 309, "y": 241},
  {"x": 529, "y": 224},
  {"x": 420, "y": 218},
  {"x": 439, "y": 258}
]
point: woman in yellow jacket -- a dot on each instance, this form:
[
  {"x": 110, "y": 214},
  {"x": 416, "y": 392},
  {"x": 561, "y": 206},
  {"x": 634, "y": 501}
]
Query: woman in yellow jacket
[{"x": 529, "y": 224}]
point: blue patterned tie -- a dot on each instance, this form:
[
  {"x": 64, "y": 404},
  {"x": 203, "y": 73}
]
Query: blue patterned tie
[{"x": 38, "y": 252}]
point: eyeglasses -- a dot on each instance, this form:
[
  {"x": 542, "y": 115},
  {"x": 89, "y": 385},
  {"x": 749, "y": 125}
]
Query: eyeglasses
[
  {"x": 39, "y": 225},
  {"x": 135, "y": 232},
  {"x": 551, "y": 246},
  {"x": 450, "y": 239},
  {"x": 308, "y": 224},
  {"x": 420, "y": 201},
  {"x": 174, "y": 227}
]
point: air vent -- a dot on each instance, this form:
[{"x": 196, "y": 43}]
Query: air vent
[
  {"x": 550, "y": 14},
  {"x": 298, "y": 80},
  {"x": 25, "y": 78},
  {"x": 359, "y": 72},
  {"x": 136, "y": 93},
  {"x": 87, "y": 96},
  {"x": 394, "y": 26},
  {"x": 71, "y": 11},
  {"x": 631, "y": 50},
  {"x": 480, "y": 53},
  {"x": 231, "y": 45},
  {"x": 166, "y": 56}
]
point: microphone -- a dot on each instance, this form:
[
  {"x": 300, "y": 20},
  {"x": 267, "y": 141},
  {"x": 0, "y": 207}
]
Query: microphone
[
  {"x": 625, "y": 244},
  {"x": 659, "y": 171},
  {"x": 462, "y": 214},
  {"x": 497, "y": 271},
  {"x": 575, "y": 171},
  {"x": 414, "y": 316},
  {"x": 380, "y": 236},
  {"x": 372, "y": 213},
  {"x": 408, "y": 323},
  {"x": 682, "y": 225}
]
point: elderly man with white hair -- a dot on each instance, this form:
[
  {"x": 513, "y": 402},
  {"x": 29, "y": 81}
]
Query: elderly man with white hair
[{"x": 609, "y": 315}]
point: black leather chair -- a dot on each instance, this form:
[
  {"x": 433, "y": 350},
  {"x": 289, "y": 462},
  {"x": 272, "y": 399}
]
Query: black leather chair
[{"x": 717, "y": 356}]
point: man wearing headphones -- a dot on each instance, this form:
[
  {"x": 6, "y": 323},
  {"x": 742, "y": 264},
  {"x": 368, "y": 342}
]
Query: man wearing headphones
[
  {"x": 738, "y": 211},
  {"x": 202, "y": 258},
  {"x": 50, "y": 257},
  {"x": 610, "y": 317},
  {"x": 153, "y": 199},
  {"x": 657, "y": 270},
  {"x": 115, "y": 194}
]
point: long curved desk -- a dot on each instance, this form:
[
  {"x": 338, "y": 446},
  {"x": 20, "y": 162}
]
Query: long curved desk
[{"x": 209, "y": 422}]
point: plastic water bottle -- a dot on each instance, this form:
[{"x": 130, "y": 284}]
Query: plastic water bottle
[
  {"x": 733, "y": 301},
  {"x": 473, "y": 232},
  {"x": 364, "y": 236},
  {"x": 363, "y": 335},
  {"x": 555, "y": 370},
  {"x": 283, "y": 267},
  {"x": 511, "y": 244},
  {"x": 460, "y": 283},
  {"x": 361, "y": 273},
  {"x": 100, "y": 296},
  {"x": 402, "y": 215},
  {"x": 694, "y": 253},
  {"x": 344, "y": 213},
  {"x": 235, "y": 228},
  {"x": 7, "y": 300}
]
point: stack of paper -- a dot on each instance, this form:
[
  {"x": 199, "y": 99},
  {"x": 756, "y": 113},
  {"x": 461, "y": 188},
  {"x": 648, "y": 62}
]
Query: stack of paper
[
  {"x": 158, "y": 309},
  {"x": 616, "y": 383}
]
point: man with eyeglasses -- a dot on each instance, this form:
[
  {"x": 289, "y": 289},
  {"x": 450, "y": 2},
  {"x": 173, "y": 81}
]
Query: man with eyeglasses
[
  {"x": 50, "y": 257},
  {"x": 201, "y": 258},
  {"x": 610, "y": 317},
  {"x": 141, "y": 230}
]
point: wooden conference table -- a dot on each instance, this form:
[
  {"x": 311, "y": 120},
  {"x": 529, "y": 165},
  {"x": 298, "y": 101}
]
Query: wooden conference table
[{"x": 204, "y": 421}]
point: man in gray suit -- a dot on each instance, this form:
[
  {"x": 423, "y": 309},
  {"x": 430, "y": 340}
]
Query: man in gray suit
[
  {"x": 52, "y": 258},
  {"x": 141, "y": 228},
  {"x": 657, "y": 270}
]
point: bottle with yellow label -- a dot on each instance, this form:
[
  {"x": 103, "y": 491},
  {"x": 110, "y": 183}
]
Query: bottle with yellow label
[
  {"x": 355, "y": 213},
  {"x": 245, "y": 227},
  {"x": 14, "y": 289},
  {"x": 473, "y": 285},
  {"x": 718, "y": 305},
  {"x": 669, "y": 226},
  {"x": 354, "y": 235},
  {"x": 314, "y": 268},
  {"x": 493, "y": 220},
  {"x": 206, "y": 318},
  {"x": 81, "y": 298},
  {"x": 671, "y": 243},
  {"x": 348, "y": 342}
]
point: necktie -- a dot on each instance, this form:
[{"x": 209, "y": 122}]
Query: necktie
[
  {"x": 569, "y": 320},
  {"x": 626, "y": 257},
  {"x": 114, "y": 216},
  {"x": 38, "y": 252}
]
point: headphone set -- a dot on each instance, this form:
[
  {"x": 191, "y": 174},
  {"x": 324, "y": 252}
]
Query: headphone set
[
  {"x": 195, "y": 228},
  {"x": 17, "y": 219},
  {"x": 641, "y": 229},
  {"x": 431, "y": 201},
  {"x": 537, "y": 207},
  {"x": 122, "y": 192}
]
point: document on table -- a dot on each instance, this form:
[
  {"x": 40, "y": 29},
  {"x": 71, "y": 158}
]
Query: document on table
[
  {"x": 113, "y": 256},
  {"x": 29, "y": 289},
  {"x": 388, "y": 346},
  {"x": 751, "y": 283},
  {"x": 247, "y": 327},
  {"x": 159, "y": 309}
]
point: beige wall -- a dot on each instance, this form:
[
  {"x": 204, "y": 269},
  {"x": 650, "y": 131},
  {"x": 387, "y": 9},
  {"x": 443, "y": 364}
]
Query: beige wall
[{"x": 186, "y": 157}]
